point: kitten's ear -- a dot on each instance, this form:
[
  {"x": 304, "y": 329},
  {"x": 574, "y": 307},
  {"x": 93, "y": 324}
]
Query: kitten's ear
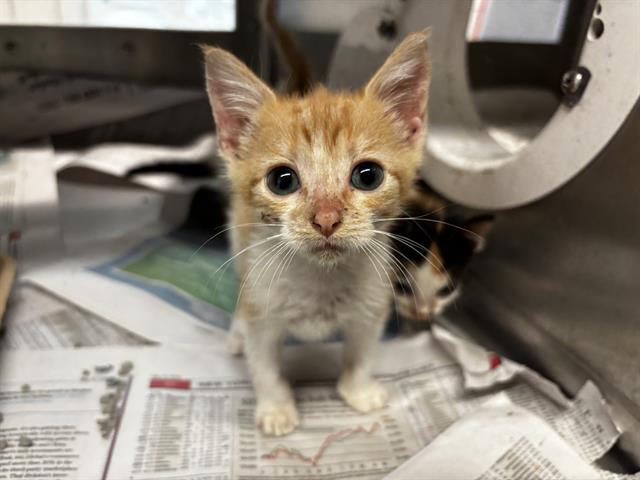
[
  {"x": 478, "y": 230},
  {"x": 402, "y": 83},
  {"x": 235, "y": 94}
]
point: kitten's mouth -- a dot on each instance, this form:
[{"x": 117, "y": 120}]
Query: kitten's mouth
[
  {"x": 327, "y": 248},
  {"x": 327, "y": 251}
]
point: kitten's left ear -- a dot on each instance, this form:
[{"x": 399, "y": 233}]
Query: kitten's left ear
[
  {"x": 235, "y": 94},
  {"x": 478, "y": 230},
  {"x": 402, "y": 83}
]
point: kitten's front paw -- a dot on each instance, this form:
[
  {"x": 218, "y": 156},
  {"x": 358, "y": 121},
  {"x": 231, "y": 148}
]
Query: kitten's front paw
[
  {"x": 277, "y": 419},
  {"x": 364, "y": 398}
]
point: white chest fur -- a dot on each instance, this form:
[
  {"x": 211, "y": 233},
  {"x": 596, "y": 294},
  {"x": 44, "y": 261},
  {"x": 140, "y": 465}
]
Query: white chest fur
[{"x": 313, "y": 301}]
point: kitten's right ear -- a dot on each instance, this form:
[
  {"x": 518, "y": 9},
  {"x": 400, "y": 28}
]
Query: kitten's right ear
[{"x": 235, "y": 94}]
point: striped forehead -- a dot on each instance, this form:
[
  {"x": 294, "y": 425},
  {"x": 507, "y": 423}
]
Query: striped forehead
[
  {"x": 321, "y": 140},
  {"x": 325, "y": 124}
]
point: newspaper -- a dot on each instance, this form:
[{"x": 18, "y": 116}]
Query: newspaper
[
  {"x": 122, "y": 245},
  {"x": 500, "y": 440},
  {"x": 49, "y": 407},
  {"x": 37, "y": 320},
  {"x": 119, "y": 159},
  {"x": 29, "y": 204},
  {"x": 147, "y": 311},
  {"x": 187, "y": 413}
]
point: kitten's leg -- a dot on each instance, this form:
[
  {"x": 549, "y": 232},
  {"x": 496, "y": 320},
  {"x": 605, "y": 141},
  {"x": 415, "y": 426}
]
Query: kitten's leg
[
  {"x": 356, "y": 385},
  {"x": 276, "y": 412},
  {"x": 235, "y": 337}
]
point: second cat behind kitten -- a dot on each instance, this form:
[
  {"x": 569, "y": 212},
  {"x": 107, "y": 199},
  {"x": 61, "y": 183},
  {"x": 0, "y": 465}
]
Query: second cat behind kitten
[{"x": 314, "y": 182}]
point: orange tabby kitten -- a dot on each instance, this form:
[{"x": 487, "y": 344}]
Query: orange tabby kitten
[{"x": 312, "y": 181}]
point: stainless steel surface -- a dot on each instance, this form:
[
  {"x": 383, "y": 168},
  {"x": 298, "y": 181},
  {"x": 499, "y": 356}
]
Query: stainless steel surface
[
  {"x": 557, "y": 286},
  {"x": 466, "y": 162}
]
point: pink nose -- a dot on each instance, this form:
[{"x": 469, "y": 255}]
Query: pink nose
[{"x": 327, "y": 221}]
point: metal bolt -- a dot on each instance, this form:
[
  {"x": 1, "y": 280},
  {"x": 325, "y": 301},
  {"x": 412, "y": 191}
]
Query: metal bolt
[
  {"x": 571, "y": 82},
  {"x": 387, "y": 29}
]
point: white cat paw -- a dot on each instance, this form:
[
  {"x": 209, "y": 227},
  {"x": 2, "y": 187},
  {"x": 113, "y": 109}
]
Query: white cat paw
[
  {"x": 277, "y": 420},
  {"x": 235, "y": 344},
  {"x": 364, "y": 398}
]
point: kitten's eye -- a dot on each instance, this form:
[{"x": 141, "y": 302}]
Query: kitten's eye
[
  {"x": 403, "y": 288},
  {"x": 282, "y": 181},
  {"x": 367, "y": 176},
  {"x": 446, "y": 290}
]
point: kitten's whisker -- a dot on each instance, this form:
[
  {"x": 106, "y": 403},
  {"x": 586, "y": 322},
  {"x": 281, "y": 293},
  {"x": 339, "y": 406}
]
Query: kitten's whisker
[
  {"x": 360, "y": 248},
  {"x": 262, "y": 258},
  {"x": 418, "y": 224},
  {"x": 427, "y": 257},
  {"x": 268, "y": 264},
  {"x": 415, "y": 246},
  {"x": 389, "y": 282},
  {"x": 226, "y": 263},
  {"x": 366, "y": 251},
  {"x": 213, "y": 237},
  {"x": 259, "y": 260},
  {"x": 273, "y": 276},
  {"x": 273, "y": 254},
  {"x": 215, "y": 289},
  {"x": 290, "y": 260},
  {"x": 408, "y": 215},
  {"x": 381, "y": 254},
  {"x": 405, "y": 271},
  {"x": 432, "y": 220},
  {"x": 428, "y": 214},
  {"x": 398, "y": 262},
  {"x": 284, "y": 264}
]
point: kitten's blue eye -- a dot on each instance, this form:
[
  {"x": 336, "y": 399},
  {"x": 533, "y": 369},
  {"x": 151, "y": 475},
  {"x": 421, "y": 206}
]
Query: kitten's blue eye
[
  {"x": 367, "y": 176},
  {"x": 283, "y": 181}
]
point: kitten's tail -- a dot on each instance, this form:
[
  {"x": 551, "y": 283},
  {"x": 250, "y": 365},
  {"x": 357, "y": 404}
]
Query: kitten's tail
[{"x": 300, "y": 80}]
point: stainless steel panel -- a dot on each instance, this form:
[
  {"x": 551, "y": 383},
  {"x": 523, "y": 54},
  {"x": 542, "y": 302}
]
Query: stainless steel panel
[{"x": 558, "y": 286}]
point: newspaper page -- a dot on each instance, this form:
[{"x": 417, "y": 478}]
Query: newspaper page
[
  {"x": 186, "y": 412},
  {"x": 37, "y": 320},
  {"x": 29, "y": 204},
  {"x": 125, "y": 246},
  {"x": 191, "y": 416},
  {"x": 154, "y": 312},
  {"x": 59, "y": 412},
  {"x": 119, "y": 159},
  {"x": 500, "y": 440},
  {"x": 101, "y": 222}
]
